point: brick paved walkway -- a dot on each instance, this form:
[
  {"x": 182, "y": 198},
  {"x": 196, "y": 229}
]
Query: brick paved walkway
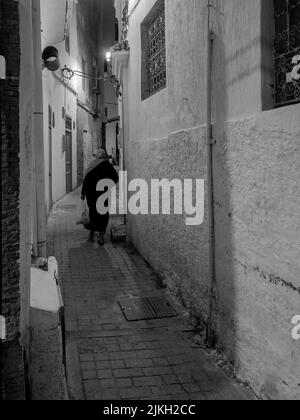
[{"x": 109, "y": 358}]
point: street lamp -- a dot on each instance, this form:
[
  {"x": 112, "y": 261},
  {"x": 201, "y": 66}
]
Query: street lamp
[
  {"x": 51, "y": 59},
  {"x": 52, "y": 63}
]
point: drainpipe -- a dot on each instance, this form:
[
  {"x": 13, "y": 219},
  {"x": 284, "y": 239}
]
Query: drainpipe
[
  {"x": 38, "y": 122},
  {"x": 123, "y": 155},
  {"x": 210, "y": 181}
]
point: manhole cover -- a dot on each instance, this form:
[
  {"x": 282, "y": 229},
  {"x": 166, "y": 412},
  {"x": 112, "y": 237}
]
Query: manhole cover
[
  {"x": 162, "y": 307},
  {"x": 146, "y": 308}
]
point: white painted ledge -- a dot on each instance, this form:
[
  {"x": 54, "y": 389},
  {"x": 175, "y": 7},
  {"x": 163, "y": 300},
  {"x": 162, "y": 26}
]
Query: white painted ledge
[
  {"x": 47, "y": 370},
  {"x": 45, "y": 293}
]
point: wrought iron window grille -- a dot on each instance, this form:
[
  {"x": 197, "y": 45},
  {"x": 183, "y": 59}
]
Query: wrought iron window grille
[
  {"x": 287, "y": 52},
  {"x": 157, "y": 52},
  {"x": 68, "y": 74},
  {"x": 123, "y": 45},
  {"x": 153, "y": 34}
]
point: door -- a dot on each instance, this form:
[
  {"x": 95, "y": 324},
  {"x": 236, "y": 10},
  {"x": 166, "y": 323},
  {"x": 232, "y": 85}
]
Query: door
[
  {"x": 69, "y": 163},
  {"x": 103, "y": 145},
  {"x": 117, "y": 145},
  {"x": 50, "y": 159}
]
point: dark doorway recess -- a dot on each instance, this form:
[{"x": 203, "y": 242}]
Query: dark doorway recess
[{"x": 69, "y": 162}]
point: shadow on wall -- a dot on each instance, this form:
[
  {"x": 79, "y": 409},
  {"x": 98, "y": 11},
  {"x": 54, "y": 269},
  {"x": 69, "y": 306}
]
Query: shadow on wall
[
  {"x": 225, "y": 290},
  {"x": 253, "y": 158},
  {"x": 226, "y": 311}
]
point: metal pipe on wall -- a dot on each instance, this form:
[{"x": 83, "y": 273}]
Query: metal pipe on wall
[
  {"x": 123, "y": 155},
  {"x": 210, "y": 180}
]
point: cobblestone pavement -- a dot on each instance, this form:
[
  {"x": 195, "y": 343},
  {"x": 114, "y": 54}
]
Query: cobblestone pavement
[{"x": 109, "y": 358}]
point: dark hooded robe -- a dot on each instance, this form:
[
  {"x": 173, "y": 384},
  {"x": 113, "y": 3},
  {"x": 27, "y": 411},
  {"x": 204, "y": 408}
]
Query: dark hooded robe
[{"x": 96, "y": 173}]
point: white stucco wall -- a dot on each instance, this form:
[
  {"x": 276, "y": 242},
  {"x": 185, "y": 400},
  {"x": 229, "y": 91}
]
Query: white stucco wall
[
  {"x": 256, "y": 183},
  {"x": 257, "y": 252},
  {"x": 256, "y": 174},
  {"x": 90, "y": 135},
  {"x": 59, "y": 96},
  {"x": 166, "y": 139},
  {"x": 111, "y": 141}
]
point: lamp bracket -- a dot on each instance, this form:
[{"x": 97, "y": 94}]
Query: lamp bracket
[{"x": 68, "y": 74}]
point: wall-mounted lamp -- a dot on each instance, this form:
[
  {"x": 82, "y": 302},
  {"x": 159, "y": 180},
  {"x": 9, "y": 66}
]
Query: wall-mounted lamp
[
  {"x": 51, "y": 62},
  {"x": 107, "y": 63},
  {"x": 108, "y": 56},
  {"x": 51, "y": 59}
]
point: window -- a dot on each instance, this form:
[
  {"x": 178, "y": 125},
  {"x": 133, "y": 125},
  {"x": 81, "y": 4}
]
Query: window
[
  {"x": 287, "y": 51},
  {"x": 154, "y": 77}
]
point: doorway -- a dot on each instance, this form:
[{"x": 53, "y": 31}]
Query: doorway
[
  {"x": 117, "y": 145},
  {"x": 69, "y": 163}
]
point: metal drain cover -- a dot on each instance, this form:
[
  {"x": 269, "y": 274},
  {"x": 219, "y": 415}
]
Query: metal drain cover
[
  {"x": 162, "y": 307},
  {"x": 143, "y": 309}
]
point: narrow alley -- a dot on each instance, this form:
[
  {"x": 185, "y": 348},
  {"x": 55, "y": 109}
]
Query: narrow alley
[
  {"x": 109, "y": 358},
  {"x": 150, "y": 212}
]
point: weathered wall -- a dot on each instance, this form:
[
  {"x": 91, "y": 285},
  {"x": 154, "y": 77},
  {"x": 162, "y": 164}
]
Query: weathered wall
[
  {"x": 173, "y": 148},
  {"x": 59, "y": 97},
  {"x": 27, "y": 156},
  {"x": 178, "y": 252},
  {"x": 13, "y": 375},
  {"x": 256, "y": 167},
  {"x": 10, "y": 165},
  {"x": 256, "y": 183},
  {"x": 111, "y": 134},
  {"x": 257, "y": 251},
  {"x": 88, "y": 131}
]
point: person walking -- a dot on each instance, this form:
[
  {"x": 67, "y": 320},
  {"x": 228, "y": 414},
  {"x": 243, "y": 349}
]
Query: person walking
[{"x": 98, "y": 170}]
